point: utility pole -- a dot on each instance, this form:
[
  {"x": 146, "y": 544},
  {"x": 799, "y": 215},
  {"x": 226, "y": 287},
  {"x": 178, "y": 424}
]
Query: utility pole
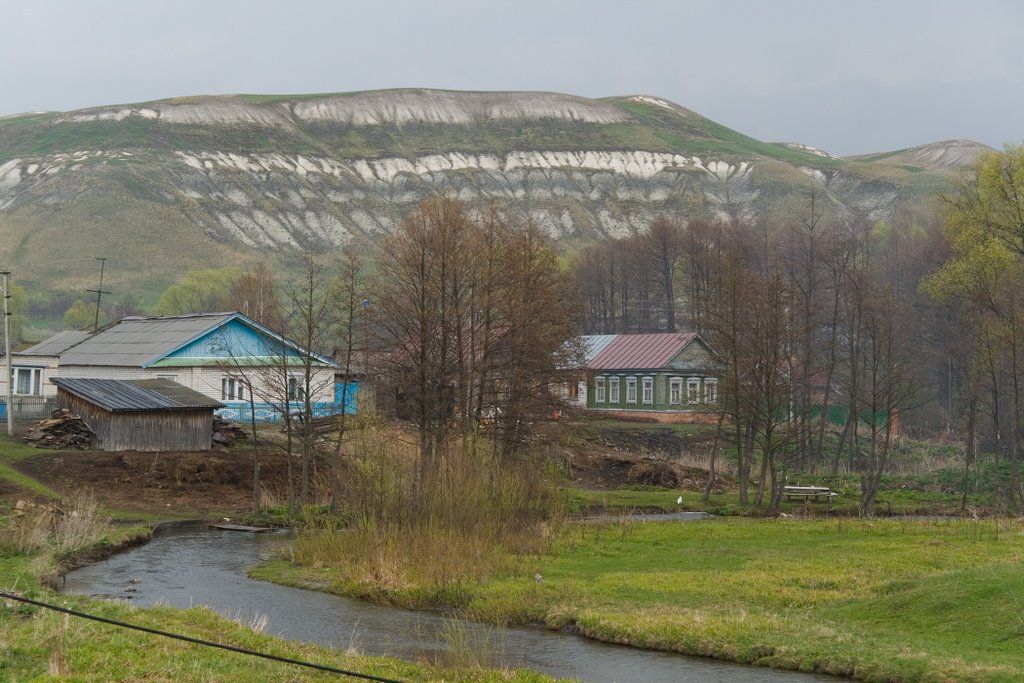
[
  {"x": 99, "y": 294},
  {"x": 7, "y": 354}
]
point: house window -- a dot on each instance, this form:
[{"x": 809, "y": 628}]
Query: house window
[
  {"x": 675, "y": 391},
  {"x": 614, "y": 390},
  {"x": 692, "y": 390},
  {"x": 631, "y": 390},
  {"x": 599, "y": 390},
  {"x": 296, "y": 391},
  {"x": 648, "y": 387},
  {"x": 232, "y": 389},
  {"x": 710, "y": 390},
  {"x": 28, "y": 381}
]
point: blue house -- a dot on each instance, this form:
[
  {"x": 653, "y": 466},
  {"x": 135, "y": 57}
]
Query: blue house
[{"x": 225, "y": 356}]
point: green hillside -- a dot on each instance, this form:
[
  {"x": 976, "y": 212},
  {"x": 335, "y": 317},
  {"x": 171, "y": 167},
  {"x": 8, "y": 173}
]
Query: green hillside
[{"x": 172, "y": 185}]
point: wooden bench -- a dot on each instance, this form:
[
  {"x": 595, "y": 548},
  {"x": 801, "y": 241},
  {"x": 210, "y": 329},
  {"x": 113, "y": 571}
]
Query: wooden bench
[{"x": 808, "y": 492}]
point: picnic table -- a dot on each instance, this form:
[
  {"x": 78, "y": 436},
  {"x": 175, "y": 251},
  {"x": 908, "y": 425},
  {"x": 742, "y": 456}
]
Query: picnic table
[{"x": 808, "y": 492}]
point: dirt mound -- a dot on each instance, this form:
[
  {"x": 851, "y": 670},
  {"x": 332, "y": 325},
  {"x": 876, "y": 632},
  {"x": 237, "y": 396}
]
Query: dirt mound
[
  {"x": 670, "y": 475},
  {"x": 182, "y": 470},
  {"x": 180, "y": 483},
  {"x": 613, "y": 471}
]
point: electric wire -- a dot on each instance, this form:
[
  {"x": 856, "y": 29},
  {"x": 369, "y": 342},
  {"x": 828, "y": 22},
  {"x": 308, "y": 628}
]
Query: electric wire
[{"x": 196, "y": 641}]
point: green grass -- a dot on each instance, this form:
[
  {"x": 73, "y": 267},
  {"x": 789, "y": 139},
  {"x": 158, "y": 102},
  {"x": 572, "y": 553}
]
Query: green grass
[
  {"x": 879, "y": 600},
  {"x": 11, "y": 451}
]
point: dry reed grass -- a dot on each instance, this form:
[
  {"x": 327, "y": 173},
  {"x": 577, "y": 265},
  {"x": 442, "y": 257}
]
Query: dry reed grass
[
  {"x": 411, "y": 541},
  {"x": 62, "y": 528}
]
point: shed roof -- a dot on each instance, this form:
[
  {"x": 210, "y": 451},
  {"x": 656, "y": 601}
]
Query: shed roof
[
  {"x": 57, "y": 344},
  {"x": 123, "y": 395},
  {"x": 136, "y": 341},
  {"x": 640, "y": 351}
]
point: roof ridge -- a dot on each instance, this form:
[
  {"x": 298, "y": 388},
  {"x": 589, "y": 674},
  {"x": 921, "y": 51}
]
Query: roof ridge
[{"x": 179, "y": 316}]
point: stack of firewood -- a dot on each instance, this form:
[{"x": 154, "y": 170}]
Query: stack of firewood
[
  {"x": 63, "y": 431},
  {"x": 226, "y": 432}
]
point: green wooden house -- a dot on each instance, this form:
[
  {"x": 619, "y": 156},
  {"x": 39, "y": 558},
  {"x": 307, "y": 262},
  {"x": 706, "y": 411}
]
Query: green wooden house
[{"x": 670, "y": 372}]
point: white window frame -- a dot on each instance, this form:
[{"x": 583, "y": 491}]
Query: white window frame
[
  {"x": 232, "y": 389},
  {"x": 296, "y": 388},
  {"x": 631, "y": 390},
  {"x": 710, "y": 390},
  {"x": 614, "y": 390},
  {"x": 675, "y": 391},
  {"x": 35, "y": 380},
  {"x": 647, "y": 391},
  {"x": 693, "y": 390},
  {"x": 599, "y": 390}
]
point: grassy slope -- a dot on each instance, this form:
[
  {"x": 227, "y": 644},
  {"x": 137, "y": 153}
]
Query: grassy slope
[
  {"x": 654, "y": 129},
  {"x": 131, "y": 211},
  {"x": 11, "y": 451},
  {"x": 883, "y": 600}
]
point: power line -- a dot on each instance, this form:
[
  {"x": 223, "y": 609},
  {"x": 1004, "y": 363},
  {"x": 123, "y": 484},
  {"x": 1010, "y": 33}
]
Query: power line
[{"x": 196, "y": 641}]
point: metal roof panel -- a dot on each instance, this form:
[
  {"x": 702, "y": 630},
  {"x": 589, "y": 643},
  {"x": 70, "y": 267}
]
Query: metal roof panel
[
  {"x": 121, "y": 395},
  {"x": 595, "y": 343},
  {"x": 57, "y": 344},
  {"x": 136, "y": 341},
  {"x": 640, "y": 351}
]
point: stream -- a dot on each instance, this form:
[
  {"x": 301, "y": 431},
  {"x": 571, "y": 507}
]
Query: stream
[{"x": 208, "y": 567}]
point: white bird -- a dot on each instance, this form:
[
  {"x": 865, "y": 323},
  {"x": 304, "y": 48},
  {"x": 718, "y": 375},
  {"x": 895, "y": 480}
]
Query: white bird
[
  {"x": 679, "y": 500},
  {"x": 538, "y": 578}
]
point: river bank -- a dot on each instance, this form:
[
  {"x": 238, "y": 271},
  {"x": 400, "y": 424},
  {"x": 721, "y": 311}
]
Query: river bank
[
  {"x": 35, "y": 642},
  {"x": 875, "y": 600},
  {"x": 203, "y": 566}
]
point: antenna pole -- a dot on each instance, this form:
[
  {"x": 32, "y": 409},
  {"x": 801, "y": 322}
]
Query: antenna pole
[{"x": 99, "y": 291}]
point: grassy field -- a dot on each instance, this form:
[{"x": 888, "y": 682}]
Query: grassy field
[
  {"x": 37, "y": 644},
  {"x": 878, "y": 600}
]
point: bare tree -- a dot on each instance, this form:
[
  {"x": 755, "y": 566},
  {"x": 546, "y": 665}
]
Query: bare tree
[
  {"x": 310, "y": 322},
  {"x": 664, "y": 246}
]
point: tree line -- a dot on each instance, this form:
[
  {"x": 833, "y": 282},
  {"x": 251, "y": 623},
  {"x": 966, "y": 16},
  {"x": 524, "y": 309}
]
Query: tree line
[{"x": 837, "y": 332}]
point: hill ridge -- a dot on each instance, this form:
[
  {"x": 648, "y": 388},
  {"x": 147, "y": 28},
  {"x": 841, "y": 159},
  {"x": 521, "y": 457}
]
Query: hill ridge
[{"x": 200, "y": 181}]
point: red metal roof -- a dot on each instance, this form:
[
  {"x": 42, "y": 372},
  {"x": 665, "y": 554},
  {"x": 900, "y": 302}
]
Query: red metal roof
[{"x": 641, "y": 351}]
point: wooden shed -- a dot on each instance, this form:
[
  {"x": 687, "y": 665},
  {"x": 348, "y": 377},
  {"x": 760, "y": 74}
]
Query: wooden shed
[{"x": 140, "y": 415}]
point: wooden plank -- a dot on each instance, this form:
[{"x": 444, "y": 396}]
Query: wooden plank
[{"x": 240, "y": 527}]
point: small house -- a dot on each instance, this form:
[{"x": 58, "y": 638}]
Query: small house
[
  {"x": 648, "y": 373},
  {"x": 225, "y": 356},
  {"x": 31, "y": 370},
  {"x": 140, "y": 415}
]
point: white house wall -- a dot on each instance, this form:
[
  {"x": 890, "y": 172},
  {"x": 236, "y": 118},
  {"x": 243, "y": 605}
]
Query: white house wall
[
  {"x": 46, "y": 364},
  {"x": 205, "y": 380}
]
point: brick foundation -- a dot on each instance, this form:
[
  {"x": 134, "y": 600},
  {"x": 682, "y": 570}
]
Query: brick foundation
[{"x": 695, "y": 417}]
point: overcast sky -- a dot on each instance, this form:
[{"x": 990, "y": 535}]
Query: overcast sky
[{"x": 848, "y": 77}]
